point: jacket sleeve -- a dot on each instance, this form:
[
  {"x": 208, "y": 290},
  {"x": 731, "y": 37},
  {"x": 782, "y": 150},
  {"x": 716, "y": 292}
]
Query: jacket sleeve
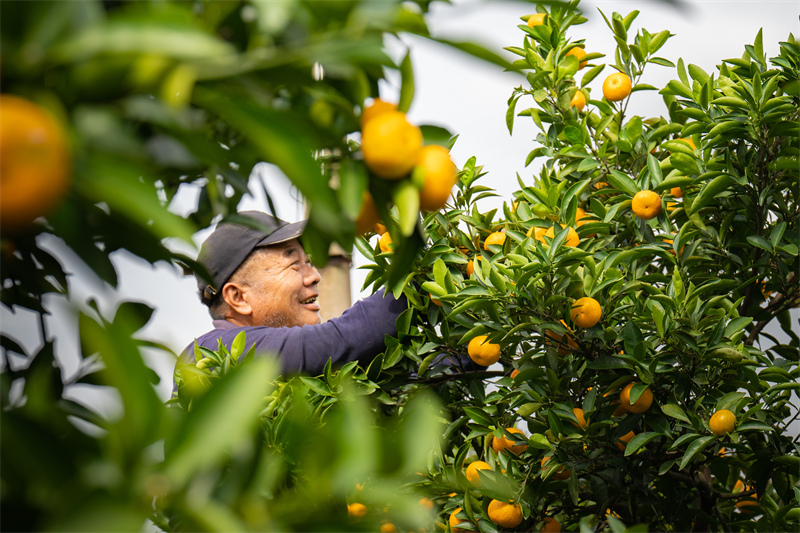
[{"x": 357, "y": 335}]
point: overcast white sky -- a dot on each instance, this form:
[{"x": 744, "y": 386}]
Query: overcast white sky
[{"x": 469, "y": 98}]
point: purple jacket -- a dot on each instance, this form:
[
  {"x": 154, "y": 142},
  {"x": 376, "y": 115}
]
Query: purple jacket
[{"x": 357, "y": 335}]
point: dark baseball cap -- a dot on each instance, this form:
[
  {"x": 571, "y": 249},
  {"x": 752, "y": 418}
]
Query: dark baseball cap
[{"x": 224, "y": 251}]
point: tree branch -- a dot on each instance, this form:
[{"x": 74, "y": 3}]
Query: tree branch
[{"x": 462, "y": 375}]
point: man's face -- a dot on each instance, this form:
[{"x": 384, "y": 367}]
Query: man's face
[{"x": 283, "y": 287}]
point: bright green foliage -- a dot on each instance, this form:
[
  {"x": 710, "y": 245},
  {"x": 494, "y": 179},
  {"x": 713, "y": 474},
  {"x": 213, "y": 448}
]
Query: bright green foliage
[
  {"x": 159, "y": 96},
  {"x": 157, "y": 99},
  {"x": 685, "y": 298},
  {"x": 320, "y": 444}
]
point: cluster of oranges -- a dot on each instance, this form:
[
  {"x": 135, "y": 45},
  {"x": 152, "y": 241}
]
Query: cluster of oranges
[
  {"x": 356, "y": 511},
  {"x": 584, "y": 313},
  {"x": 616, "y": 87},
  {"x": 393, "y": 149}
]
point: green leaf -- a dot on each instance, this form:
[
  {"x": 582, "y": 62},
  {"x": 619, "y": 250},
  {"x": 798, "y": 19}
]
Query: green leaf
[
  {"x": 539, "y": 441},
  {"x": 633, "y": 340},
  {"x": 622, "y": 182},
  {"x": 406, "y": 198},
  {"x": 694, "y": 449},
  {"x": 591, "y": 74},
  {"x": 760, "y": 242},
  {"x": 353, "y": 181},
  {"x": 237, "y": 346},
  {"x": 131, "y": 193},
  {"x": 434, "y": 288},
  {"x": 658, "y": 317},
  {"x": 143, "y": 36},
  {"x": 512, "y": 105},
  {"x": 729, "y": 401},
  {"x": 759, "y": 426},
  {"x": 608, "y": 362},
  {"x": 777, "y": 233},
  {"x": 407, "y": 87},
  {"x": 479, "y": 416},
  {"x": 655, "y": 170},
  {"x": 736, "y": 325},
  {"x": 285, "y": 140},
  {"x": 674, "y": 411},
  {"x": 317, "y": 385},
  {"x": 440, "y": 272},
  {"x": 726, "y": 126},
  {"x": 710, "y": 192},
  {"x": 640, "y": 440},
  {"x": 575, "y": 190},
  {"x": 680, "y": 89},
  {"x": 220, "y": 419}
]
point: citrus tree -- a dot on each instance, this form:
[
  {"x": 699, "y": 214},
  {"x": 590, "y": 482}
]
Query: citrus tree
[
  {"x": 617, "y": 305},
  {"x": 113, "y": 115}
]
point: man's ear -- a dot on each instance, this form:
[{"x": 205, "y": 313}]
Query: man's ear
[{"x": 235, "y": 295}]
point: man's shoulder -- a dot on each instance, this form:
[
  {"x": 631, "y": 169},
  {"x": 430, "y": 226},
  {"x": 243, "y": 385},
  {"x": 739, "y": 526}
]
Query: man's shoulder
[{"x": 225, "y": 331}]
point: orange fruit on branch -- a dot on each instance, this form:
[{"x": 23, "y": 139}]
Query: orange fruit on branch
[
  {"x": 471, "y": 265},
  {"x": 646, "y": 204},
  {"x": 677, "y": 192},
  {"x": 617, "y": 87},
  {"x": 472, "y": 472},
  {"x": 639, "y": 406},
  {"x": 550, "y": 525},
  {"x": 579, "y": 54},
  {"x": 580, "y": 214},
  {"x": 571, "y": 344},
  {"x": 502, "y": 443},
  {"x": 386, "y": 243},
  {"x": 536, "y": 232},
  {"x": 572, "y": 236},
  {"x": 623, "y": 441},
  {"x": 745, "y": 501},
  {"x": 482, "y": 352},
  {"x": 582, "y": 422},
  {"x": 585, "y": 312},
  {"x": 722, "y": 422},
  {"x": 368, "y": 217},
  {"x": 505, "y": 514},
  {"x": 35, "y": 162},
  {"x": 536, "y": 19},
  {"x": 376, "y": 108},
  {"x": 356, "y": 510},
  {"x": 388, "y": 527},
  {"x": 578, "y": 100},
  {"x": 498, "y": 238},
  {"x": 454, "y": 520},
  {"x": 440, "y": 176},
  {"x": 390, "y": 145},
  {"x": 561, "y": 473}
]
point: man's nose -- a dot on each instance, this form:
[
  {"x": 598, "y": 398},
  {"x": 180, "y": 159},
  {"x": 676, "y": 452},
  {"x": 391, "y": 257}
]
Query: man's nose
[{"x": 311, "y": 276}]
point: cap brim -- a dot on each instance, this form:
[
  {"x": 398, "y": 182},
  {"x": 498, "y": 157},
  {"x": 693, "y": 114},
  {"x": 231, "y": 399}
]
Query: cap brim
[{"x": 284, "y": 233}]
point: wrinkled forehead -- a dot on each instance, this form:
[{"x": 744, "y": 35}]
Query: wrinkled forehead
[
  {"x": 285, "y": 248},
  {"x": 283, "y": 252}
]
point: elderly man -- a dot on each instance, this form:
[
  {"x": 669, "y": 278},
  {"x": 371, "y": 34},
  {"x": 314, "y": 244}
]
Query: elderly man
[{"x": 265, "y": 285}]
